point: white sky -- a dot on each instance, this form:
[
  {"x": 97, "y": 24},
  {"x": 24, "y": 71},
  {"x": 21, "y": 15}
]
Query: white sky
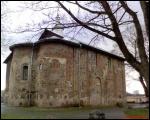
[{"x": 20, "y": 18}]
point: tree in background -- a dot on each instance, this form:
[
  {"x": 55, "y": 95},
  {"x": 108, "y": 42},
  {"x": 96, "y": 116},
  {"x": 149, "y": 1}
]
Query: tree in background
[
  {"x": 145, "y": 9},
  {"x": 5, "y": 11},
  {"x": 130, "y": 41},
  {"x": 112, "y": 24},
  {"x": 106, "y": 19}
]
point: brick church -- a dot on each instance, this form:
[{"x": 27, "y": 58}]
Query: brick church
[{"x": 54, "y": 72}]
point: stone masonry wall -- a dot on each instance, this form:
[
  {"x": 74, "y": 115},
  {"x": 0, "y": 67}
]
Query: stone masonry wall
[
  {"x": 66, "y": 76},
  {"x": 18, "y": 88}
]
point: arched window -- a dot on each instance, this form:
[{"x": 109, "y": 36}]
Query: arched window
[{"x": 25, "y": 72}]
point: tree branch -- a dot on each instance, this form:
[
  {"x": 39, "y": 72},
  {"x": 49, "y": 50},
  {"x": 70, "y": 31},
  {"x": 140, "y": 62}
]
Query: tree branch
[
  {"x": 129, "y": 57},
  {"x": 91, "y": 11},
  {"x": 140, "y": 38},
  {"x": 144, "y": 86},
  {"x": 83, "y": 24}
]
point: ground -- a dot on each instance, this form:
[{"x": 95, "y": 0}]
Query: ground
[
  {"x": 66, "y": 113},
  {"x": 137, "y": 113}
]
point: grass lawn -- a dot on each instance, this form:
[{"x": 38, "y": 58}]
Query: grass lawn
[
  {"x": 40, "y": 113},
  {"x": 137, "y": 113},
  {"x": 43, "y": 113},
  {"x": 14, "y": 116},
  {"x": 67, "y": 113},
  {"x": 53, "y": 113}
]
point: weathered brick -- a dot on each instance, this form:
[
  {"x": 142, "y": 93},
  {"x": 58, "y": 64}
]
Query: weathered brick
[{"x": 62, "y": 75}]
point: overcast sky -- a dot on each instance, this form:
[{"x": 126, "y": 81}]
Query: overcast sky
[{"x": 20, "y": 18}]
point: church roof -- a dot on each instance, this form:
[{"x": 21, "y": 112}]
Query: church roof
[
  {"x": 51, "y": 37},
  {"x": 49, "y": 34},
  {"x": 9, "y": 56}
]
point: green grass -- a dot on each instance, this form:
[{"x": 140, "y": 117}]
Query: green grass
[
  {"x": 137, "y": 111},
  {"x": 42, "y": 113},
  {"x": 9, "y": 112},
  {"x": 37, "y": 113},
  {"x": 14, "y": 116}
]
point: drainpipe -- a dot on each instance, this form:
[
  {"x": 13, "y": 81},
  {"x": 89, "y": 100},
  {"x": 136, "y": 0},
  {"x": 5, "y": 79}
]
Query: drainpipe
[
  {"x": 79, "y": 80},
  {"x": 30, "y": 74}
]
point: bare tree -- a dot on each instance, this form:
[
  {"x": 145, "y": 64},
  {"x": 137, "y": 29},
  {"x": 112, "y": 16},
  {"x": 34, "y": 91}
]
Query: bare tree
[
  {"x": 130, "y": 39},
  {"x": 3, "y": 18},
  {"x": 4, "y": 26},
  {"x": 145, "y": 9},
  {"x": 105, "y": 19},
  {"x": 108, "y": 12}
]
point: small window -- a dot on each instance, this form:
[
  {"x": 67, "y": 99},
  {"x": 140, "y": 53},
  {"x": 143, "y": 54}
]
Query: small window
[{"x": 25, "y": 72}]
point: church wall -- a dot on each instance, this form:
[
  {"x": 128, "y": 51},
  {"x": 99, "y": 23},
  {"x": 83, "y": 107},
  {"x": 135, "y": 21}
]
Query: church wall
[
  {"x": 8, "y": 74},
  {"x": 63, "y": 75},
  {"x": 19, "y": 88},
  {"x": 55, "y": 75},
  {"x": 89, "y": 78},
  {"x": 7, "y": 81},
  {"x": 98, "y": 81}
]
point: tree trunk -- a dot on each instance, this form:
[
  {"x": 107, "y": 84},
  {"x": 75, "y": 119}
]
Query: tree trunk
[
  {"x": 144, "y": 86},
  {"x": 145, "y": 9},
  {"x": 144, "y": 71},
  {"x": 146, "y": 77},
  {"x": 141, "y": 66}
]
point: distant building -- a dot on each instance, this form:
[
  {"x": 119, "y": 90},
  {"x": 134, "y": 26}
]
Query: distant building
[
  {"x": 57, "y": 72},
  {"x": 136, "y": 98}
]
